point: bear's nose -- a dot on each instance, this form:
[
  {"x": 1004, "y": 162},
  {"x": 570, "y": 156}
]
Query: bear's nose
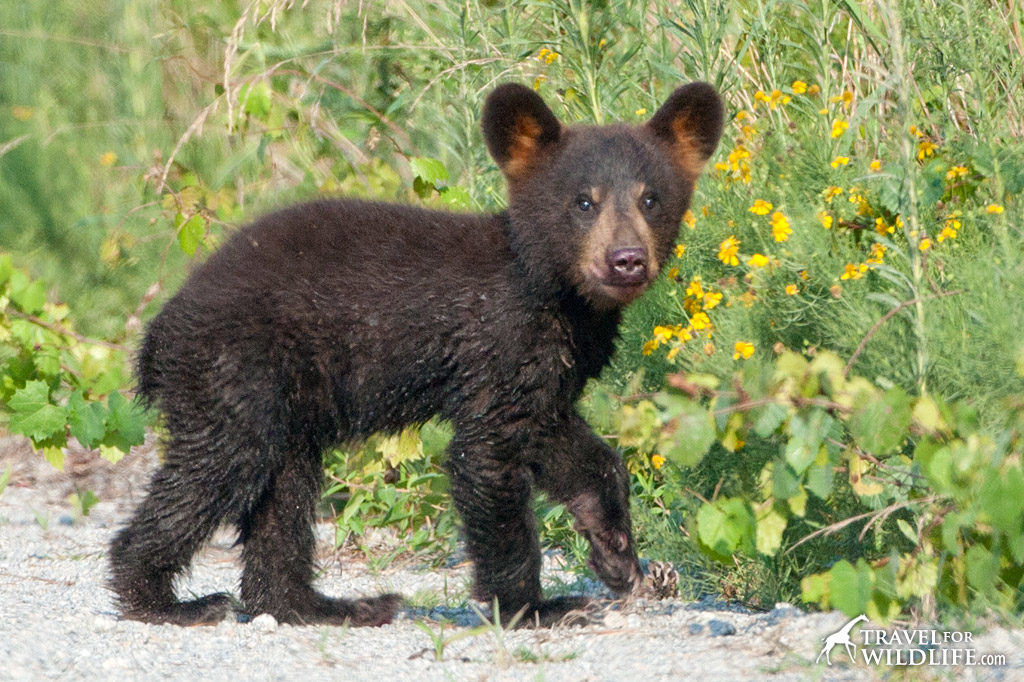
[{"x": 629, "y": 265}]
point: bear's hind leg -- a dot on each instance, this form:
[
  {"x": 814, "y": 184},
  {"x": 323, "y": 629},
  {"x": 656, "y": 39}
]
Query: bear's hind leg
[
  {"x": 157, "y": 546},
  {"x": 278, "y": 552}
]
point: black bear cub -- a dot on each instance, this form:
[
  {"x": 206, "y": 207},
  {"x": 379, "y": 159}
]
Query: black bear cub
[{"x": 326, "y": 322}]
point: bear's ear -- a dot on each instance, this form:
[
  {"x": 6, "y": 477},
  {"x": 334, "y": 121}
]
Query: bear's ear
[
  {"x": 690, "y": 122},
  {"x": 517, "y": 127}
]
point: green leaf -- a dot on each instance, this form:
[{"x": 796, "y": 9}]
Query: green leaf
[
  {"x": 724, "y": 526},
  {"x": 190, "y": 234},
  {"x": 255, "y": 99},
  {"x": 6, "y": 268},
  {"x": 850, "y": 587},
  {"x": 125, "y": 424},
  {"x": 429, "y": 170},
  {"x": 28, "y": 295},
  {"x": 32, "y": 413},
  {"x": 982, "y": 568},
  {"x": 770, "y": 526},
  {"x": 1002, "y": 498},
  {"x": 87, "y": 420},
  {"x": 880, "y": 426},
  {"x": 55, "y": 456},
  {"x": 691, "y": 428}
]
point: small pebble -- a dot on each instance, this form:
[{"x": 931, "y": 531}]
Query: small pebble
[
  {"x": 264, "y": 623},
  {"x": 721, "y": 628}
]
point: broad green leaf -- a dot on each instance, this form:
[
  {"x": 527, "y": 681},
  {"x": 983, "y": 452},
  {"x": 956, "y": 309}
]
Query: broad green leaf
[
  {"x": 880, "y": 426},
  {"x": 691, "y": 428},
  {"x": 770, "y": 526},
  {"x": 190, "y": 234},
  {"x": 28, "y": 295},
  {"x": 982, "y": 568},
  {"x": 55, "y": 456},
  {"x": 724, "y": 526},
  {"x": 429, "y": 170},
  {"x": 125, "y": 423},
  {"x": 87, "y": 420},
  {"x": 32, "y": 413},
  {"x": 1002, "y": 498},
  {"x": 850, "y": 587}
]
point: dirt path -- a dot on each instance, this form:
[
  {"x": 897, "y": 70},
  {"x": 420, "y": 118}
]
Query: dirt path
[{"x": 57, "y": 620}]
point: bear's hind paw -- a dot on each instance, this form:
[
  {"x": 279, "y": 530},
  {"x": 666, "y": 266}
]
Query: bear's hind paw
[{"x": 208, "y": 610}]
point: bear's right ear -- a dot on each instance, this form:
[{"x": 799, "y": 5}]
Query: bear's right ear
[
  {"x": 517, "y": 127},
  {"x": 690, "y": 122}
]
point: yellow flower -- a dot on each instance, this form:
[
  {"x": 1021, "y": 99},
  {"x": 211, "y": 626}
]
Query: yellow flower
[
  {"x": 875, "y": 166},
  {"x": 21, "y": 113},
  {"x": 846, "y": 98},
  {"x": 877, "y": 253},
  {"x": 826, "y": 220},
  {"x": 882, "y": 228},
  {"x": 852, "y": 271},
  {"x": 695, "y": 289},
  {"x": 760, "y": 207},
  {"x": 994, "y": 208},
  {"x": 925, "y": 244},
  {"x": 672, "y": 273},
  {"x": 956, "y": 172},
  {"x": 728, "y": 249},
  {"x": 672, "y": 352},
  {"x": 780, "y": 227},
  {"x": 690, "y": 219},
  {"x": 950, "y": 229},
  {"x": 649, "y": 347},
  {"x": 741, "y": 115},
  {"x": 547, "y": 56},
  {"x": 799, "y": 87},
  {"x": 791, "y": 289},
  {"x": 641, "y": 111},
  {"x": 916, "y": 132},
  {"x": 108, "y": 159},
  {"x": 657, "y": 461},
  {"x": 743, "y": 350},
  {"x": 711, "y": 299},
  {"x": 813, "y": 89},
  {"x": 831, "y": 192},
  {"x": 700, "y": 321},
  {"x": 758, "y": 260},
  {"x": 663, "y": 334},
  {"x": 840, "y": 161},
  {"x": 925, "y": 149},
  {"x": 684, "y": 334},
  {"x": 839, "y": 126}
]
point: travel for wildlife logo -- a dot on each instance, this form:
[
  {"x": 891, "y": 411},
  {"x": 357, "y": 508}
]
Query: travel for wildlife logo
[{"x": 906, "y": 647}]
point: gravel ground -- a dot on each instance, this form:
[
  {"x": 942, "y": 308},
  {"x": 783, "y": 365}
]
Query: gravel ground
[{"x": 57, "y": 620}]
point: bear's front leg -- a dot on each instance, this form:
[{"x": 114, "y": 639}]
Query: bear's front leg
[
  {"x": 590, "y": 478},
  {"x": 492, "y": 495}
]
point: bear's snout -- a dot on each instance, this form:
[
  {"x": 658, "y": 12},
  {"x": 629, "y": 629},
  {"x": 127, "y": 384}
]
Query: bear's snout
[{"x": 627, "y": 266}]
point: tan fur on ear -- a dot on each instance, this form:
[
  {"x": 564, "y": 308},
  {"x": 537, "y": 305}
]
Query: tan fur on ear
[
  {"x": 522, "y": 147},
  {"x": 690, "y": 124},
  {"x": 687, "y": 150}
]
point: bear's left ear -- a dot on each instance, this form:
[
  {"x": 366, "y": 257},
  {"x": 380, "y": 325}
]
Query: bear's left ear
[
  {"x": 517, "y": 127},
  {"x": 690, "y": 122}
]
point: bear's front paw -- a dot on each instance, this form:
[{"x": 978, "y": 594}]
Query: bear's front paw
[
  {"x": 613, "y": 561},
  {"x": 552, "y": 612}
]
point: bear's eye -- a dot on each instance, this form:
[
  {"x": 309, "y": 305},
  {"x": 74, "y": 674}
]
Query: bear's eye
[
  {"x": 650, "y": 201},
  {"x": 584, "y": 203}
]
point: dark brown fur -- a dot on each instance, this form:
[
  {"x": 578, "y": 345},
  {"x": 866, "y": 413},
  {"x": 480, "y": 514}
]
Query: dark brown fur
[{"x": 329, "y": 321}]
